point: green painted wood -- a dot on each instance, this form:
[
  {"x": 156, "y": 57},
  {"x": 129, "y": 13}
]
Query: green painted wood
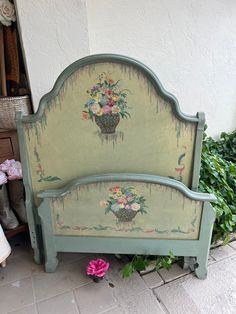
[
  {"x": 32, "y": 215},
  {"x": 128, "y": 177},
  {"x": 100, "y": 58},
  {"x": 198, "y": 149},
  {"x": 50, "y": 251}
]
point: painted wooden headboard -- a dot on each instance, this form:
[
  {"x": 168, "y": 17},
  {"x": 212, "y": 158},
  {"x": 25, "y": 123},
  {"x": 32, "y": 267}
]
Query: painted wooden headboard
[{"x": 72, "y": 136}]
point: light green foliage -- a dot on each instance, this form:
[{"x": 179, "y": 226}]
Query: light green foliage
[
  {"x": 218, "y": 176},
  {"x": 140, "y": 262}
]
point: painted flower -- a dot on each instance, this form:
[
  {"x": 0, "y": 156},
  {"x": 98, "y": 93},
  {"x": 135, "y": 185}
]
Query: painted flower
[
  {"x": 121, "y": 201},
  {"x": 110, "y": 81},
  {"x": 97, "y": 268},
  {"x": 103, "y": 203},
  {"x": 96, "y": 98},
  {"x": 130, "y": 198},
  {"x": 103, "y": 100},
  {"x": 122, "y": 198},
  {"x": 115, "y": 109},
  {"x": 110, "y": 102},
  {"x": 3, "y": 178},
  {"x": 135, "y": 206},
  {"x": 116, "y": 189},
  {"x": 108, "y": 92},
  {"x": 115, "y": 207},
  {"x": 85, "y": 115},
  {"x": 115, "y": 98},
  {"x": 106, "y": 109},
  {"x": 95, "y": 108},
  {"x": 99, "y": 113}
]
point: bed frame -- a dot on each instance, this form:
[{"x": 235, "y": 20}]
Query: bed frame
[{"x": 126, "y": 183}]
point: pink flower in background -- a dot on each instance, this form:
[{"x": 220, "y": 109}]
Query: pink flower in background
[
  {"x": 6, "y": 164},
  {"x": 14, "y": 172},
  {"x": 97, "y": 268},
  {"x": 3, "y": 178}
]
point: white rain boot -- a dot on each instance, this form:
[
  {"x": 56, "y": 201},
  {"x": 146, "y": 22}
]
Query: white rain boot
[
  {"x": 16, "y": 195},
  {"x": 5, "y": 248},
  {"x": 7, "y": 218}
]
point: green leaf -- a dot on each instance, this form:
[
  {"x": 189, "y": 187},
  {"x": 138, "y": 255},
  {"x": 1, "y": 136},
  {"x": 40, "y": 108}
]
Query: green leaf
[{"x": 127, "y": 270}]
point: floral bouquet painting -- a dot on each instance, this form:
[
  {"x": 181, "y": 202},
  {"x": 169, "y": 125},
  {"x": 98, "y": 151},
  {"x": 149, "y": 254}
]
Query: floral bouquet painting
[
  {"x": 106, "y": 104},
  {"x": 124, "y": 203}
]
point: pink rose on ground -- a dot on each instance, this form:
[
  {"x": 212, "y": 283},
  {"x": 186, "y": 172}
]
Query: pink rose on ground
[
  {"x": 6, "y": 164},
  {"x": 14, "y": 172},
  {"x": 3, "y": 178},
  {"x": 97, "y": 268}
]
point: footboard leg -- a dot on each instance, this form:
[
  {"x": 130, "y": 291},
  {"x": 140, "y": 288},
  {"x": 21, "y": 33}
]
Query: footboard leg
[
  {"x": 208, "y": 218},
  {"x": 37, "y": 256},
  {"x": 201, "y": 270},
  {"x": 50, "y": 253},
  {"x": 51, "y": 262}
]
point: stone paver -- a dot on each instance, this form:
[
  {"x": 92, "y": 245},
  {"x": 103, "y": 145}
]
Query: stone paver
[
  {"x": 233, "y": 244},
  {"x": 142, "y": 303},
  {"x": 30, "y": 309},
  {"x": 214, "y": 295},
  {"x": 173, "y": 273},
  {"x": 95, "y": 298},
  {"x": 222, "y": 252},
  {"x": 61, "y": 304},
  {"x": 16, "y": 295},
  {"x": 153, "y": 280}
]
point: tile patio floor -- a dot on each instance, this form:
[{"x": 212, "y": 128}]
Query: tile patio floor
[{"x": 26, "y": 289}]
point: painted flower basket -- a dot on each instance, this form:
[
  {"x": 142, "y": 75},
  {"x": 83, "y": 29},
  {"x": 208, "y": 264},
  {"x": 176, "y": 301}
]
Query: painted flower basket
[
  {"x": 106, "y": 104},
  {"x": 107, "y": 123},
  {"x": 124, "y": 203}
]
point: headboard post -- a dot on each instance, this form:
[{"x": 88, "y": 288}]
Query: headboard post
[
  {"x": 198, "y": 151},
  {"x": 32, "y": 216}
]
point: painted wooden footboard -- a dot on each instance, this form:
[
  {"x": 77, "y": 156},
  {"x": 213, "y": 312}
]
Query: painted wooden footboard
[{"x": 127, "y": 213}]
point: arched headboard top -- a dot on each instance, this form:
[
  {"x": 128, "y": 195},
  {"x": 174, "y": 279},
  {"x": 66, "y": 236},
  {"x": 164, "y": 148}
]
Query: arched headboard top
[
  {"x": 109, "y": 113},
  {"x": 113, "y": 58}
]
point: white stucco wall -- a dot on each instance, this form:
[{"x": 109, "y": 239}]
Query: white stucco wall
[
  {"x": 190, "y": 44},
  {"x": 54, "y": 34}
]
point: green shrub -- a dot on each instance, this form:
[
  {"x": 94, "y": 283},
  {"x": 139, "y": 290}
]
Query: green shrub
[{"x": 218, "y": 176}]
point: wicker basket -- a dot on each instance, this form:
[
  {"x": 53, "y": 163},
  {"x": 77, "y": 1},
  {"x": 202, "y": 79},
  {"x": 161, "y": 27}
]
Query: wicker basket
[{"x": 8, "y": 108}]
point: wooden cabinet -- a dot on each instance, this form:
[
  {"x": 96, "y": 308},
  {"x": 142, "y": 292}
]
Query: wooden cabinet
[{"x": 9, "y": 146}]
